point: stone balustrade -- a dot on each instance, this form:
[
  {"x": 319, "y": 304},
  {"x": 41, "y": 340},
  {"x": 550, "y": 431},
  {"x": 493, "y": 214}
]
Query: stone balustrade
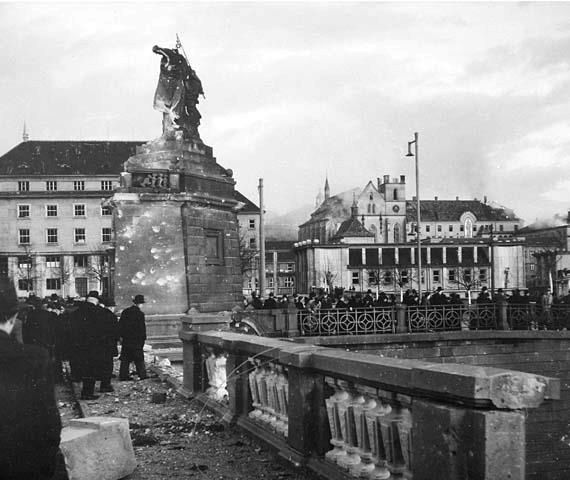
[
  {"x": 370, "y": 435},
  {"x": 354, "y": 415},
  {"x": 269, "y": 390}
]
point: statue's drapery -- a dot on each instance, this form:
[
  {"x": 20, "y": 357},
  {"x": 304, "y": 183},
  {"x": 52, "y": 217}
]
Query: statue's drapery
[{"x": 177, "y": 93}]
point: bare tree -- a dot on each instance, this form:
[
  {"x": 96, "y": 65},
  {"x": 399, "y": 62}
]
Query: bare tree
[
  {"x": 247, "y": 256},
  {"x": 99, "y": 269},
  {"x": 65, "y": 273},
  {"x": 465, "y": 279},
  {"x": 26, "y": 268}
]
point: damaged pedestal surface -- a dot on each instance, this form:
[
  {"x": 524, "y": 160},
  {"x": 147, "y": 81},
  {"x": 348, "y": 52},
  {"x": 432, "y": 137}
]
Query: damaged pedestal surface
[{"x": 176, "y": 230}]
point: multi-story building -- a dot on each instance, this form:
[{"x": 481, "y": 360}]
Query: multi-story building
[
  {"x": 56, "y": 233},
  {"x": 280, "y": 267},
  {"x": 386, "y": 213},
  {"x": 547, "y": 256},
  {"x": 466, "y": 245},
  {"x": 248, "y": 218}
]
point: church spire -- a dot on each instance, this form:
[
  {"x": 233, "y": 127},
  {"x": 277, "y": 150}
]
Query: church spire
[
  {"x": 354, "y": 208},
  {"x": 25, "y": 135},
  {"x": 327, "y": 188}
]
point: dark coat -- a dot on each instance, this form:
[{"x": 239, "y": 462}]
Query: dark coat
[
  {"x": 89, "y": 338},
  {"x": 40, "y": 328},
  {"x": 30, "y": 426},
  {"x": 132, "y": 327}
]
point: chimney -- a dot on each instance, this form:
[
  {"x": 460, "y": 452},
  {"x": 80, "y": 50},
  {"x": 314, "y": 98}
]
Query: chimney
[
  {"x": 485, "y": 199},
  {"x": 402, "y": 179},
  {"x": 386, "y": 178},
  {"x": 379, "y": 183},
  {"x": 435, "y": 198},
  {"x": 568, "y": 217},
  {"x": 457, "y": 198},
  {"x": 414, "y": 198}
]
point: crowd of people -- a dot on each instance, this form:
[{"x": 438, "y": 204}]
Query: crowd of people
[
  {"x": 36, "y": 337},
  {"x": 348, "y": 299}
]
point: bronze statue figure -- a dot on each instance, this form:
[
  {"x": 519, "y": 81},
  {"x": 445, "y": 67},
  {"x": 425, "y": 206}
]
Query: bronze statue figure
[{"x": 177, "y": 94}]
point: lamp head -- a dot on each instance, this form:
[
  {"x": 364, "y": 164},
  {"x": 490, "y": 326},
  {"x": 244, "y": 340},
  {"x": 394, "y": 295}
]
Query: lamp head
[{"x": 410, "y": 154}]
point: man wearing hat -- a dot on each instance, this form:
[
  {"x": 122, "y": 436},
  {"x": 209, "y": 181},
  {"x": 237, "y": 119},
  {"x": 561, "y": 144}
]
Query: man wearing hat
[
  {"x": 132, "y": 329},
  {"x": 89, "y": 335},
  {"x": 30, "y": 432}
]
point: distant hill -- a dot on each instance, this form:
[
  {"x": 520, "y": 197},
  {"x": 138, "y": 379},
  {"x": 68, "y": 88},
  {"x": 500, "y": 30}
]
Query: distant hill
[{"x": 286, "y": 226}]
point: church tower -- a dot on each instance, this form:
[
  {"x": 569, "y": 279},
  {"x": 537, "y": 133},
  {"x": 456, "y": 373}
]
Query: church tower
[{"x": 327, "y": 189}]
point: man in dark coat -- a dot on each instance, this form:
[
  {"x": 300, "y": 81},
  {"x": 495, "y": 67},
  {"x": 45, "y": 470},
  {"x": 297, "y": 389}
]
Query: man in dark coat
[
  {"x": 132, "y": 329},
  {"x": 89, "y": 337},
  {"x": 40, "y": 329},
  {"x": 270, "y": 303},
  {"x": 30, "y": 426},
  {"x": 111, "y": 327}
]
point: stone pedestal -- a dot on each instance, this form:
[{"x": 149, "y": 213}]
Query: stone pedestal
[{"x": 176, "y": 230}]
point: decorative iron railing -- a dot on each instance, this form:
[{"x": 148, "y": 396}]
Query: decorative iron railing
[
  {"x": 359, "y": 321},
  {"x": 451, "y": 317},
  {"x": 432, "y": 318},
  {"x": 533, "y": 317}
]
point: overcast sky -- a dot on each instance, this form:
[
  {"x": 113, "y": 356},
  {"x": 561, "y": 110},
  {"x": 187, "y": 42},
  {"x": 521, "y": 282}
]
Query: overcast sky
[{"x": 295, "y": 91}]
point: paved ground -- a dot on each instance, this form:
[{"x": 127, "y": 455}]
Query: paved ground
[{"x": 177, "y": 438}]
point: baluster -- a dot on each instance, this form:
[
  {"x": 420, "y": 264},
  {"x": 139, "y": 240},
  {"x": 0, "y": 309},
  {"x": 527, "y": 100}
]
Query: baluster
[
  {"x": 262, "y": 385},
  {"x": 399, "y": 438},
  {"x": 216, "y": 369},
  {"x": 375, "y": 437},
  {"x": 271, "y": 380},
  {"x": 348, "y": 429},
  {"x": 333, "y": 412},
  {"x": 282, "y": 415},
  {"x": 255, "y": 392}
]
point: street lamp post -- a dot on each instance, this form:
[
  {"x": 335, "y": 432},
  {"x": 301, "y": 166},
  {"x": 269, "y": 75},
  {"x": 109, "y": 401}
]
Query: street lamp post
[{"x": 414, "y": 142}]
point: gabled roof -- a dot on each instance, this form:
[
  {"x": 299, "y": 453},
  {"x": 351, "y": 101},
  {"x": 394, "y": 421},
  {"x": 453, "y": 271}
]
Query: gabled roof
[
  {"x": 38, "y": 157},
  {"x": 49, "y": 157},
  {"x": 337, "y": 206},
  {"x": 351, "y": 228},
  {"x": 451, "y": 211},
  {"x": 249, "y": 206}
]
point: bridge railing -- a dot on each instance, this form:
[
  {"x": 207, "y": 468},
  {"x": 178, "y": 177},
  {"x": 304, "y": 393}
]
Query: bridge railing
[{"x": 354, "y": 415}]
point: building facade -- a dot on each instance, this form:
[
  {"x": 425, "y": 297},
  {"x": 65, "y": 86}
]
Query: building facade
[
  {"x": 371, "y": 243},
  {"x": 547, "y": 258},
  {"x": 385, "y": 211},
  {"x": 57, "y": 234}
]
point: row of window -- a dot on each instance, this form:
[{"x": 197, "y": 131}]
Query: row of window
[
  {"x": 52, "y": 210},
  {"x": 54, "y": 261},
  {"x": 52, "y": 185},
  {"x": 437, "y": 256},
  {"x": 482, "y": 228},
  {"x": 52, "y": 235},
  {"x": 389, "y": 277}
]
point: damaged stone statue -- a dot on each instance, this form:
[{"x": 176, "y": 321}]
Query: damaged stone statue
[{"x": 177, "y": 95}]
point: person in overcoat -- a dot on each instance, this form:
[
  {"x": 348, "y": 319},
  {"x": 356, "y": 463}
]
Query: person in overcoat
[
  {"x": 30, "y": 424},
  {"x": 89, "y": 337},
  {"x": 132, "y": 329},
  {"x": 111, "y": 326}
]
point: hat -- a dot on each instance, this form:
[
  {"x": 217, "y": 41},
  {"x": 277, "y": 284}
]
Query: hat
[
  {"x": 108, "y": 302},
  {"x": 8, "y": 299},
  {"x": 94, "y": 294},
  {"x": 138, "y": 299}
]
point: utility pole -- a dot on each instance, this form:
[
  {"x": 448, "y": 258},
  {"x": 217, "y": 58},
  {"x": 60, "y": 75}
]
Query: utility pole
[
  {"x": 418, "y": 228},
  {"x": 261, "y": 241}
]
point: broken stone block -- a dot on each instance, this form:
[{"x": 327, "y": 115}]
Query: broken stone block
[{"x": 98, "y": 448}]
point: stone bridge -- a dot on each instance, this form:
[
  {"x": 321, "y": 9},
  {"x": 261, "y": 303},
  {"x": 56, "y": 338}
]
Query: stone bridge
[{"x": 449, "y": 405}]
